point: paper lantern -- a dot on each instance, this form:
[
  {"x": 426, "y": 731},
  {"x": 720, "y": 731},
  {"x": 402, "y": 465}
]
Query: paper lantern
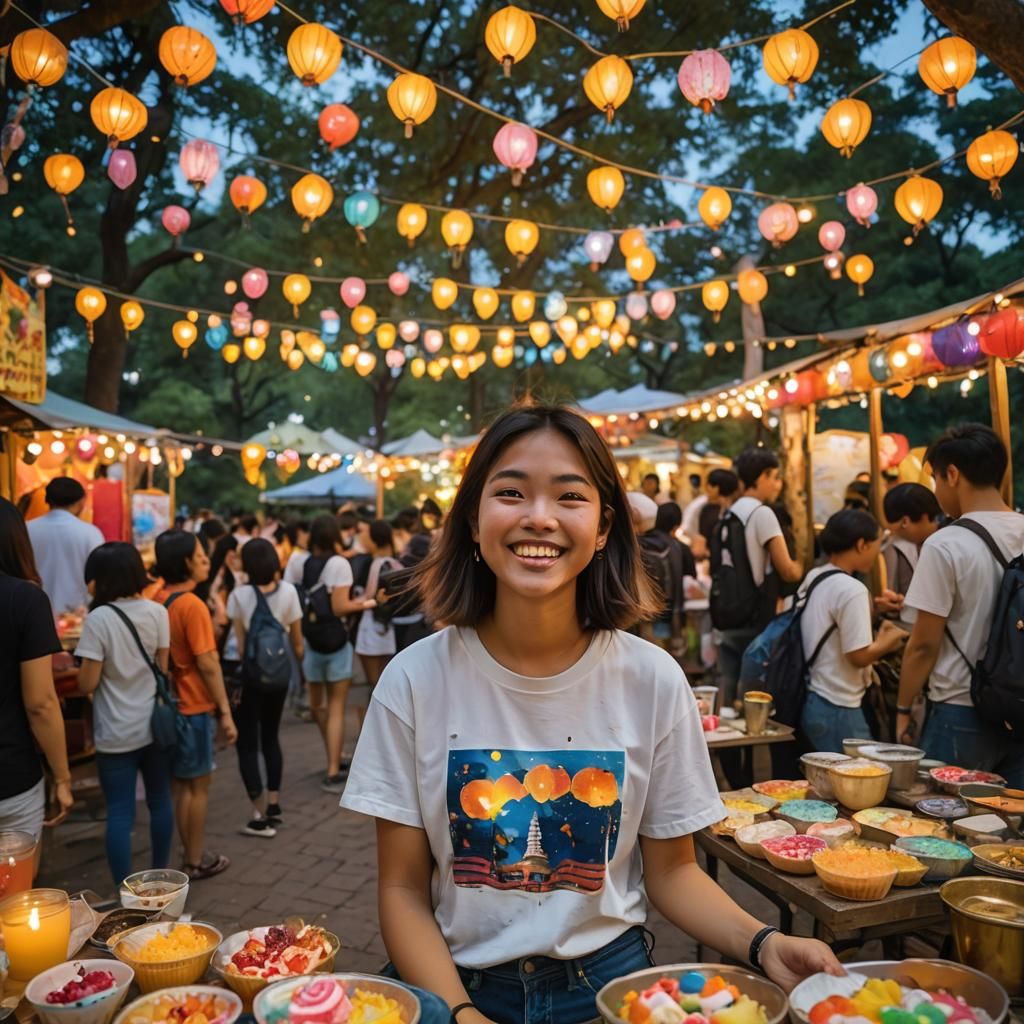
[
  {"x": 386, "y": 336},
  {"x": 241, "y": 319},
  {"x": 640, "y": 264},
  {"x": 704, "y": 78},
  {"x": 846, "y": 124},
  {"x": 118, "y": 115},
  {"x": 598, "y": 246},
  {"x": 859, "y": 269},
  {"x": 714, "y": 207},
  {"x": 352, "y": 291},
  {"x": 457, "y": 231},
  {"x": 314, "y": 52},
  {"x": 261, "y": 328},
  {"x": 715, "y": 295},
  {"x": 567, "y": 327},
  {"x": 464, "y": 337},
  {"x": 338, "y": 124},
  {"x": 663, "y": 303},
  {"x": 231, "y": 353},
  {"x": 947, "y": 65},
  {"x": 252, "y": 456},
  {"x": 408, "y": 331},
  {"x": 990, "y": 157},
  {"x": 247, "y": 11},
  {"x": 622, "y": 11},
  {"x": 412, "y": 99},
  {"x": 606, "y": 185},
  {"x": 64, "y": 173},
  {"x": 778, "y": 223},
  {"x": 312, "y": 196},
  {"x": 444, "y": 292},
  {"x": 559, "y": 355},
  {"x": 363, "y": 319},
  {"x": 918, "y": 200},
  {"x": 247, "y": 194},
  {"x": 540, "y": 332},
  {"x": 185, "y": 334},
  {"x": 418, "y": 367},
  {"x": 411, "y": 220},
  {"x": 790, "y": 58},
  {"x": 636, "y": 306},
  {"x": 395, "y": 358},
  {"x": 523, "y": 305},
  {"x": 175, "y": 220},
  {"x": 296, "y": 289},
  {"x": 398, "y": 282},
  {"x": 510, "y": 35},
  {"x": 515, "y": 146},
  {"x": 1002, "y": 334},
  {"x": 485, "y": 302},
  {"x": 361, "y": 210},
  {"x": 132, "y": 315},
  {"x": 38, "y": 57},
  {"x": 433, "y": 340},
  {"x": 506, "y": 336},
  {"x": 199, "y": 161},
  {"x": 186, "y": 54},
  {"x": 878, "y": 365},
  {"x": 862, "y": 201},
  {"x": 502, "y": 356},
  {"x": 555, "y": 306},
  {"x": 365, "y": 363},
  {"x": 255, "y": 282},
  {"x": 604, "y": 312},
  {"x": 955, "y": 345},
  {"x": 91, "y": 304},
  {"x": 752, "y": 286},
  {"x": 831, "y": 235},
  {"x": 608, "y": 84},
  {"x": 121, "y": 168},
  {"x": 521, "y": 237}
]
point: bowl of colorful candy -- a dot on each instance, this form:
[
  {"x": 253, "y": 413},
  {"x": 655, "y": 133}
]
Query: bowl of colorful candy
[
  {"x": 860, "y": 783},
  {"x": 944, "y": 858},
  {"x": 184, "y": 1004},
  {"x": 79, "y": 991},
  {"x": 835, "y": 833},
  {"x": 949, "y": 778},
  {"x": 900, "y": 992},
  {"x": 816, "y": 766},
  {"x": 749, "y": 802},
  {"x": 750, "y": 837},
  {"x": 793, "y": 854},
  {"x": 886, "y": 824},
  {"x": 329, "y": 997},
  {"x": 782, "y": 790},
  {"x": 855, "y": 872},
  {"x": 167, "y": 954},
  {"x": 802, "y": 814},
  {"x": 697, "y": 993}
]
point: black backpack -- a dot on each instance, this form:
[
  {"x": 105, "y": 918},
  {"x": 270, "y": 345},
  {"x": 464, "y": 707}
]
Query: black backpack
[
  {"x": 997, "y": 680},
  {"x": 737, "y": 602},
  {"x": 658, "y": 563},
  {"x": 324, "y": 631},
  {"x": 266, "y": 666}
]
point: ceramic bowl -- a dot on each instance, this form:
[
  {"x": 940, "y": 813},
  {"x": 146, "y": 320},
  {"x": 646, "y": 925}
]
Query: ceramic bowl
[
  {"x": 816, "y": 766},
  {"x": 944, "y": 858},
  {"x": 170, "y": 973},
  {"x": 98, "y": 1009},
  {"x": 793, "y": 854},
  {"x": 852, "y": 746},
  {"x": 833, "y": 832},
  {"x": 949, "y": 778},
  {"x": 860, "y": 783},
  {"x": 783, "y": 790},
  {"x": 802, "y": 814},
  {"x": 749, "y": 838},
  {"x": 981, "y": 828},
  {"x": 163, "y": 890},
  {"x": 155, "y": 1005},
  {"x": 271, "y": 1004},
  {"x": 867, "y": 885}
]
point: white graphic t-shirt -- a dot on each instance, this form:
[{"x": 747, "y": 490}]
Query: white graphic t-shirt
[{"x": 534, "y": 792}]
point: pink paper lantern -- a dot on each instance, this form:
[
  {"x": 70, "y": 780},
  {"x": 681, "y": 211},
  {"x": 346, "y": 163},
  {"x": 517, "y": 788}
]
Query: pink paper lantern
[
  {"x": 704, "y": 78},
  {"x": 395, "y": 358},
  {"x": 433, "y": 340},
  {"x": 598, "y": 246},
  {"x": 778, "y": 223},
  {"x": 241, "y": 319},
  {"x": 408, "y": 330},
  {"x": 862, "y": 201},
  {"x": 636, "y": 306},
  {"x": 260, "y": 328},
  {"x": 199, "y": 162},
  {"x": 831, "y": 235},
  {"x": 352, "y": 290},
  {"x": 121, "y": 168},
  {"x": 398, "y": 282},
  {"x": 515, "y": 145},
  {"x": 175, "y": 219},
  {"x": 663, "y": 303},
  {"x": 254, "y": 282}
]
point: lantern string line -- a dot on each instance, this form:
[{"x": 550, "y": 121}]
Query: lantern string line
[
  {"x": 71, "y": 53},
  {"x": 536, "y": 16},
  {"x": 888, "y": 71}
]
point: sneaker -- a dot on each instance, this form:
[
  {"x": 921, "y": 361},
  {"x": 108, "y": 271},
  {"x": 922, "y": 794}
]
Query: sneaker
[
  {"x": 260, "y": 827},
  {"x": 274, "y": 814},
  {"x": 333, "y": 783}
]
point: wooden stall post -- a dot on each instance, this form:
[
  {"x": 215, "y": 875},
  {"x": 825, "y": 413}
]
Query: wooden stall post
[
  {"x": 878, "y": 581},
  {"x": 796, "y": 473},
  {"x": 999, "y": 403},
  {"x": 811, "y": 428},
  {"x": 380, "y": 494}
]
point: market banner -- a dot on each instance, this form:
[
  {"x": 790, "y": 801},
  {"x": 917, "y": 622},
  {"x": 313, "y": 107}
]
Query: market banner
[{"x": 22, "y": 344}]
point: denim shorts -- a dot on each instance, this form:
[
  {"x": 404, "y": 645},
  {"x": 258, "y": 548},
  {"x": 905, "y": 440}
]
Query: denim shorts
[
  {"x": 826, "y": 725},
  {"x": 24, "y": 811},
  {"x": 194, "y": 759},
  {"x": 327, "y": 668}
]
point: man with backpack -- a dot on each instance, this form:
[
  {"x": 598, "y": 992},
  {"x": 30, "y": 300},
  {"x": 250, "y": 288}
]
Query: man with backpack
[
  {"x": 749, "y": 558},
  {"x": 966, "y": 600},
  {"x": 668, "y": 561}
]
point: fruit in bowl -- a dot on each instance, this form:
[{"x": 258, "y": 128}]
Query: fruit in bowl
[
  {"x": 337, "y": 999},
  {"x": 167, "y": 954},
  {"x": 750, "y": 837},
  {"x": 949, "y": 778},
  {"x": 187, "y": 1004},
  {"x": 793, "y": 853},
  {"x": 79, "y": 991}
]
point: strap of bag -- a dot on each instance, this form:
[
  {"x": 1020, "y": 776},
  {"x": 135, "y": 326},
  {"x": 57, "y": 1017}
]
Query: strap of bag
[
  {"x": 802, "y": 608},
  {"x": 979, "y": 531},
  {"x": 261, "y": 599},
  {"x": 153, "y": 667}
]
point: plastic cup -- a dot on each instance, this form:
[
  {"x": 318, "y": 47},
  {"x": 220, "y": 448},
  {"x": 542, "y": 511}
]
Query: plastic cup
[
  {"x": 17, "y": 860},
  {"x": 757, "y": 707},
  {"x": 710, "y": 695}
]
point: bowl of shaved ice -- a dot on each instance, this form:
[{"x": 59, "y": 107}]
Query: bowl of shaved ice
[{"x": 337, "y": 999}]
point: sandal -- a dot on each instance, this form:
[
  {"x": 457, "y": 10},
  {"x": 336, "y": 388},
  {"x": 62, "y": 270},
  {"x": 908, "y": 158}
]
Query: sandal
[{"x": 208, "y": 868}]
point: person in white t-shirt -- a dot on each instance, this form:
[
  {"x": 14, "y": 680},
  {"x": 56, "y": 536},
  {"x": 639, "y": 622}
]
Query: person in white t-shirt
[
  {"x": 912, "y": 513},
  {"x": 297, "y": 532},
  {"x": 536, "y": 772},
  {"x": 951, "y": 600},
  {"x": 835, "y": 629}
]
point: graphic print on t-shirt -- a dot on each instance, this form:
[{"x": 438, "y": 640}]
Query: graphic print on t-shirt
[{"x": 534, "y": 821}]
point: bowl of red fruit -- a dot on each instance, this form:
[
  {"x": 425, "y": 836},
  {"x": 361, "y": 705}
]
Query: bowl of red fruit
[{"x": 80, "y": 991}]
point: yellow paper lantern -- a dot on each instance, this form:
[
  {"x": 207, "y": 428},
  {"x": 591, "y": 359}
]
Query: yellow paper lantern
[
  {"x": 918, "y": 200},
  {"x": 606, "y": 185},
  {"x": 231, "y": 352},
  {"x": 247, "y": 194},
  {"x": 510, "y": 35},
  {"x": 312, "y": 196},
  {"x": 38, "y": 57},
  {"x": 294, "y": 359},
  {"x": 412, "y": 219},
  {"x": 502, "y": 356},
  {"x": 715, "y": 295},
  {"x": 314, "y": 52},
  {"x": 947, "y": 65},
  {"x": 752, "y": 286},
  {"x": 558, "y": 356},
  {"x": 461, "y": 366},
  {"x": 604, "y": 312},
  {"x": 348, "y": 355},
  {"x": 296, "y": 289},
  {"x": 363, "y": 319},
  {"x": 365, "y": 362},
  {"x": 444, "y": 292},
  {"x": 464, "y": 337},
  {"x": 714, "y": 207},
  {"x": 184, "y": 333},
  {"x": 418, "y": 367},
  {"x": 567, "y": 327},
  {"x": 90, "y": 303},
  {"x": 593, "y": 335},
  {"x": 245, "y": 12},
  {"x": 485, "y": 302},
  {"x": 412, "y": 99},
  {"x": 540, "y": 332},
  {"x": 790, "y": 58},
  {"x": 640, "y": 264},
  {"x": 252, "y": 456},
  {"x": 254, "y": 347},
  {"x": 64, "y": 173},
  {"x": 386, "y": 336},
  {"x": 506, "y": 336},
  {"x": 630, "y": 240},
  {"x": 132, "y": 315},
  {"x": 186, "y": 54},
  {"x": 456, "y": 230},
  {"x": 521, "y": 237},
  {"x": 118, "y": 115},
  {"x": 622, "y": 11},
  {"x": 523, "y": 304},
  {"x": 580, "y": 346},
  {"x": 312, "y": 346},
  {"x": 608, "y": 84},
  {"x": 991, "y": 156},
  {"x": 859, "y": 269},
  {"x": 846, "y": 124}
]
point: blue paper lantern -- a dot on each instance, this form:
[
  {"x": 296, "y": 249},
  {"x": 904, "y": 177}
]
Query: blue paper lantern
[
  {"x": 530, "y": 356},
  {"x": 361, "y": 209},
  {"x": 216, "y": 337},
  {"x": 878, "y": 366}
]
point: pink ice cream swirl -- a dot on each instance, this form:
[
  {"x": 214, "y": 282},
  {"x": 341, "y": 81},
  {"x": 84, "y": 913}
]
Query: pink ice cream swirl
[{"x": 323, "y": 1001}]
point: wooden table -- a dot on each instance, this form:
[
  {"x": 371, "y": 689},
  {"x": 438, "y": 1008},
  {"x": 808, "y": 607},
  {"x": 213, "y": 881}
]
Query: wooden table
[
  {"x": 732, "y": 733},
  {"x": 842, "y": 923}
]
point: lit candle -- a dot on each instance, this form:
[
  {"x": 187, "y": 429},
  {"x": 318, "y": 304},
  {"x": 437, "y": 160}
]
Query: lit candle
[{"x": 36, "y": 929}]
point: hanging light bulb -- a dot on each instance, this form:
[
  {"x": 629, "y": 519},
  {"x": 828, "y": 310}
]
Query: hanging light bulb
[
  {"x": 947, "y": 65},
  {"x": 859, "y": 269},
  {"x": 38, "y": 57},
  {"x": 186, "y": 54},
  {"x": 790, "y": 58},
  {"x": 714, "y": 207},
  {"x": 412, "y": 99},
  {"x": 118, "y": 115},
  {"x": 510, "y": 35},
  {"x": 184, "y": 333},
  {"x": 991, "y": 156},
  {"x": 252, "y": 456},
  {"x": 412, "y": 219},
  {"x": 90, "y": 303},
  {"x": 456, "y": 230},
  {"x": 608, "y": 84},
  {"x": 846, "y": 124},
  {"x": 485, "y": 302},
  {"x": 314, "y": 53},
  {"x": 606, "y": 185},
  {"x": 521, "y": 237},
  {"x": 715, "y": 295}
]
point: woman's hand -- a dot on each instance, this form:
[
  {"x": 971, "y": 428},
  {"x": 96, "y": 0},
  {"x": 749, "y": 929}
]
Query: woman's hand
[
  {"x": 62, "y": 794},
  {"x": 787, "y": 959}
]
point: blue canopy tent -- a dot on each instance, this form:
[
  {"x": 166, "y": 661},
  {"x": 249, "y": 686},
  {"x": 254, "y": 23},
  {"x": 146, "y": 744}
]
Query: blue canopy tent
[{"x": 332, "y": 488}]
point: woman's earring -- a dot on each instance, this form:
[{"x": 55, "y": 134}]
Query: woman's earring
[
  {"x": 600, "y": 554},
  {"x": 476, "y": 553}
]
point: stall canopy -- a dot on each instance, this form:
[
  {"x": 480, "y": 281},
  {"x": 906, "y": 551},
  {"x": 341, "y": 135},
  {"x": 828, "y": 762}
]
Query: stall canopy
[
  {"x": 296, "y": 436},
  {"x": 638, "y": 398},
  {"x": 323, "y": 489},
  {"x": 415, "y": 445},
  {"x": 338, "y": 443},
  {"x": 56, "y": 412}
]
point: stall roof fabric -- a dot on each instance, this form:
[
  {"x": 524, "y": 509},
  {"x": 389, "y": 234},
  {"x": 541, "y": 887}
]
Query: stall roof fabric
[
  {"x": 638, "y": 398},
  {"x": 415, "y": 445},
  {"x": 323, "y": 489},
  {"x": 56, "y": 412},
  {"x": 296, "y": 436},
  {"x": 338, "y": 443}
]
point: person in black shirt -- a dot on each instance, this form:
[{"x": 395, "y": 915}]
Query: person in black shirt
[{"x": 668, "y": 560}]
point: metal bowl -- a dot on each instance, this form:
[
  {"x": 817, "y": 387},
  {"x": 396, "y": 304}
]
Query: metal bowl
[
  {"x": 280, "y": 992},
  {"x": 902, "y": 759},
  {"x": 987, "y": 917},
  {"x": 816, "y": 766},
  {"x": 757, "y": 987}
]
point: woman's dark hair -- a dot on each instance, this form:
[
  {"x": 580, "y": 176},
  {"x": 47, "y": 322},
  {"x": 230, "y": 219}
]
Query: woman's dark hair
[
  {"x": 294, "y": 528},
  {"x": 260, "y": 561},
  {"x": 915, "y": 501},
  {"x": 174, "y": 549},
  {"x": 858, "y": 495},
  {"x": 381, "y": 534},
  {"x": 324, "y": 535},
  {"x": 430, "y": 508},
  {"x": 249, "y": 523},
  {"x": 752, "y": 463},
  {"x": 117, "y": 571},
  {"x": 17, "y": 558},
  {"x": 221, "y": 550},
  {"x": 612, "y": 592},
  {"x": 211, "y": 530},
  {"x": 408, "y": 519},
  {"x": 63, "y": 492},
  {"x": 727, "y": 482},
  {"x": 669, "y": 517},
  {"x": 975, "y": 450},
  {"x": 845, "y": 528}
]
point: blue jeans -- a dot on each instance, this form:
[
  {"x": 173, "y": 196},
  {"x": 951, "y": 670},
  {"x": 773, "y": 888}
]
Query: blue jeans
[
  {"x": 826, "y": 725},
  {"x": 954, "y": 733},
  {"x": 117, "y": 774}
]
